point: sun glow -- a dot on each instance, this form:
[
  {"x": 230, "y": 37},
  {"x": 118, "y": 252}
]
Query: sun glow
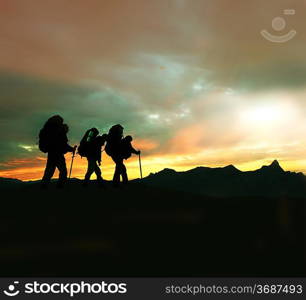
[
  {"x": 268, "y": 114},
  {"x": 265, "y": 114}
]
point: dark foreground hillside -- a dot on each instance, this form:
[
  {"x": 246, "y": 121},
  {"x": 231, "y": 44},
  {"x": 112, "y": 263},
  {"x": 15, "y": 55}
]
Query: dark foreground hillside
[{"x": 147, "y": 231}]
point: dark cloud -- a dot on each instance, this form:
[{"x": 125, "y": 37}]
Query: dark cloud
[{"x": 26, "y": 103}]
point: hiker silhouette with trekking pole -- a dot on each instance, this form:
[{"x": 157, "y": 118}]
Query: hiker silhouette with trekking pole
[
  {"x": 53, "y": 140},
  {"x": 90, "y": 147},
  {"x": 128, "y": 150},
  {"x": 119, "y": 148}
]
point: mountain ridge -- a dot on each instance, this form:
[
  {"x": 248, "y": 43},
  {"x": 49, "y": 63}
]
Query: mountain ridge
[
  {"x": 268, "y": 181},
  {"x": 275, "y": 165},
  {"x": 221, "y": 182}
]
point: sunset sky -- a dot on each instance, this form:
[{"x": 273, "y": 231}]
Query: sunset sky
[{"x": 193, "y": 81}]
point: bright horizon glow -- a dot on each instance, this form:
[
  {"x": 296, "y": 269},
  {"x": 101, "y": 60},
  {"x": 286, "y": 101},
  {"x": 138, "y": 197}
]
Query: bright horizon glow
[{"x": 172, "y": 162}]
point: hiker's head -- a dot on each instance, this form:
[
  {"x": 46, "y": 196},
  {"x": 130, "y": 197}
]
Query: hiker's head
[
  {"x": 128, "y": 138},
  {"x": 117, "y": 129},
  {"x": 94, "y": 132},
  {"x": 55, "y": 120}
]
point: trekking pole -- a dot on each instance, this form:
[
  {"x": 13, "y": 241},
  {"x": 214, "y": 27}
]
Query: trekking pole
[
  {"x": 73, "y": 155},
  {"x": 140, "y": 168}
]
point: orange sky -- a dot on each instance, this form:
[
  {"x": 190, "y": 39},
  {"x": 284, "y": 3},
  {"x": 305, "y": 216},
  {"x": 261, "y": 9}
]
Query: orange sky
[{"x": 32, "y": 169}]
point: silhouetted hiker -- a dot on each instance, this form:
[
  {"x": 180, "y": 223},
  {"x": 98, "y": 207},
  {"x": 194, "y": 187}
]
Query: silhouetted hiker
[
  {"x": 53, "y": 140},
  {"x": 90, "y": 147},
  {"x": 126, "y": 147},
  {"x": 114, "y": 148}
]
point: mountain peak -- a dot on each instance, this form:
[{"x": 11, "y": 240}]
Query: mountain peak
[
  {"x": 275, "y": 166},
  {"x": 231, "y": 167},
  {"x": 164, "y": 172}
]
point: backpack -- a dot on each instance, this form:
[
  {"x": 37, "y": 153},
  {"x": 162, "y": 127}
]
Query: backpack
[
  {"x": 43, "y": 143},
  {"x": 85, "y": 144},
  {"x": 114, "y": 139},
  {"x": 109, "y": 149},
  {"x": 126, "y": 149}
]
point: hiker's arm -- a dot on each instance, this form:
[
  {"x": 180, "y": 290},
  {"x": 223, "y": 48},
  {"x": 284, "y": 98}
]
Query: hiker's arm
[
  {"x": 135, "y": 151},
  {"x": 71, "y": 149}
]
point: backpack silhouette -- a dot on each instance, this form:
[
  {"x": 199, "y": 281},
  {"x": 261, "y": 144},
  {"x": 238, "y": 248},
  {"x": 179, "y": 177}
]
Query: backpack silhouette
[
  {"x": 53, "y": 132},
  {"x": 86, "y": 142},
  {"x": 126, "y": 147},
  {"x": 114, "y": 139},
  {"x": 43, "y": 142}
]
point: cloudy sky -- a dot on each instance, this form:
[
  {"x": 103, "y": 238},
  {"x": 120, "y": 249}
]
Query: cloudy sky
[{"x": 193, "y": 81}]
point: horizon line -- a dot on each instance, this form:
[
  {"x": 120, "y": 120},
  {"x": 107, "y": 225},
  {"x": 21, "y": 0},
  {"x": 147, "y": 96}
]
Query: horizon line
[{"x": 199, "y": 166}]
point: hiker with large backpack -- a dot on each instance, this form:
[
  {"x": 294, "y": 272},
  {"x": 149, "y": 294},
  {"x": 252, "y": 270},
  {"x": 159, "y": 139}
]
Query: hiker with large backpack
[
  {"x": 53, "y": 140},
  {"x": 119, "y": 149},
  {"x": 112, "y": 148},
  {"x": 90, "y": 147}
]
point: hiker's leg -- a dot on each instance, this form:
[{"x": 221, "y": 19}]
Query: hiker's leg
[
  {"x": 116, "y": 178},
  {"x": 124, "y": 173},
  {"x": 99, "y": 175},
  {"x": 98, "y": 172},
  {"x": 90, "y": 169},
  {"x": 49, "y": 170},
  {"x": 61, "y": 165}
]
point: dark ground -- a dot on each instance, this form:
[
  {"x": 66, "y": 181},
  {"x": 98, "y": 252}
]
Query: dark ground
[{"x": 146, "y": 231}]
